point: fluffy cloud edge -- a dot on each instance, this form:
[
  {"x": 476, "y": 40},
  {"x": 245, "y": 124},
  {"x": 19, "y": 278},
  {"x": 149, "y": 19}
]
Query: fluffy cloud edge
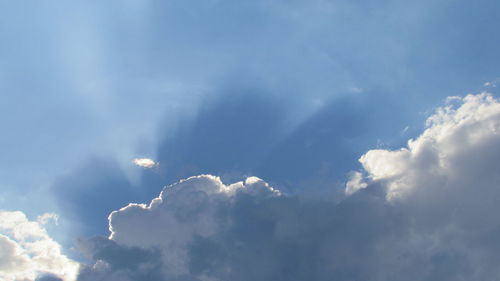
[
  {"x": 28, "y": 252},
  {"x": 462, "y": 124}
]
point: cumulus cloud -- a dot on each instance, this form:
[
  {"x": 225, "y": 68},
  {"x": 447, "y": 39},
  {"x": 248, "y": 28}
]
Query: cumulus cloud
[
  {"x": 427, "y": 211},
  {"x": 201, "y": 229},
  {"x": 183, "y": 211},
  {"x": 28, "y": 253},
  {"x": 458, "y": 147}
]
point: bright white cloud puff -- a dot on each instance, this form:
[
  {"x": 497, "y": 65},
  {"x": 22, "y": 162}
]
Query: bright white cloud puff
[
  {"x": 28, "y": 253},
  {"x": 144, "y": 162},
  {"x": 459, "y": 146}
]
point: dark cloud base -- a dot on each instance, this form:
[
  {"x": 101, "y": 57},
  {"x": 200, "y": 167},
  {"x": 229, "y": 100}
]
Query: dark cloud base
[
  {"x": 122, "y": 263},
  {"x": 362, "y": 238}
]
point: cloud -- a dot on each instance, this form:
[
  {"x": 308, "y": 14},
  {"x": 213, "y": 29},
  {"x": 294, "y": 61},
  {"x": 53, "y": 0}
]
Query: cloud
[
  {"x": 111, "y": 105},
  {"x": 238, "y": 134},
  {"x": 355, "y": 183},
  {"x": 424, "y": 212},
  {"x": 118, "y": 262},
  {"x": 28, "y": 253},
  {"x": 144, "y": 162},
  {"x": 183, "y": 211},
  {"x": 47, "y": 217},
  {"x": 493, "y": 83},
  {"x": 457, "y": 147},
  {"x": 202, "y": 229}
]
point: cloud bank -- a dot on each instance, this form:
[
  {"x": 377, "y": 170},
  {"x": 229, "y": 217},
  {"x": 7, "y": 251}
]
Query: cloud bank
[
  {"x": 28, "y": 253},
  {"x": 427, "y": 211}
]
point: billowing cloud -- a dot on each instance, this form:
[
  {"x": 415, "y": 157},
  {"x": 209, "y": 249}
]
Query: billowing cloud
[
  {"x": 459, "y": 147},
  {"x": 182, "y": 212},
  {"x": 424, "y": 212},
  {"x": 28, "y": 253}
]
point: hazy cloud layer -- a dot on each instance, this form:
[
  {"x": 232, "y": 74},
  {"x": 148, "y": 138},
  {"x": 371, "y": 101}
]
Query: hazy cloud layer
[
  {"x": 28, "y": 253},
  {"x": 425, "y": 212}
]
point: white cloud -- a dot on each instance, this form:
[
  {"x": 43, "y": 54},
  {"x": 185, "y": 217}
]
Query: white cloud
[
  {"x": 27, "y": 252},
  {"x": 144, "y": 162},
  {"x": 355, "y": 183},
  {"x": 47, "y": 217},
  {"x": 457, "y": 145},
  {"x": 446, "y": 184},
  {"x": 182, "y": 211},
  {"x": 492, "y": 83}
]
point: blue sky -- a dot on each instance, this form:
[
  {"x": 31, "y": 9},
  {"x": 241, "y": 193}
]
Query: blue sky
[{"x": 293, "y": 92}]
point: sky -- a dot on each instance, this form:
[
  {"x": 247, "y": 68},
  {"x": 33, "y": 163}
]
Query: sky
[{"x": 249, "y": 140}]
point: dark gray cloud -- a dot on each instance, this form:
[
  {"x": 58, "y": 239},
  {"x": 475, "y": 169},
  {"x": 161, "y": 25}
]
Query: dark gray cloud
[
  {"x": 116, "y": 262},
  {"x": 283, "y": 238},
  {"x": 286, "y": 239},
  {"x": 427, "y": 212}
]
